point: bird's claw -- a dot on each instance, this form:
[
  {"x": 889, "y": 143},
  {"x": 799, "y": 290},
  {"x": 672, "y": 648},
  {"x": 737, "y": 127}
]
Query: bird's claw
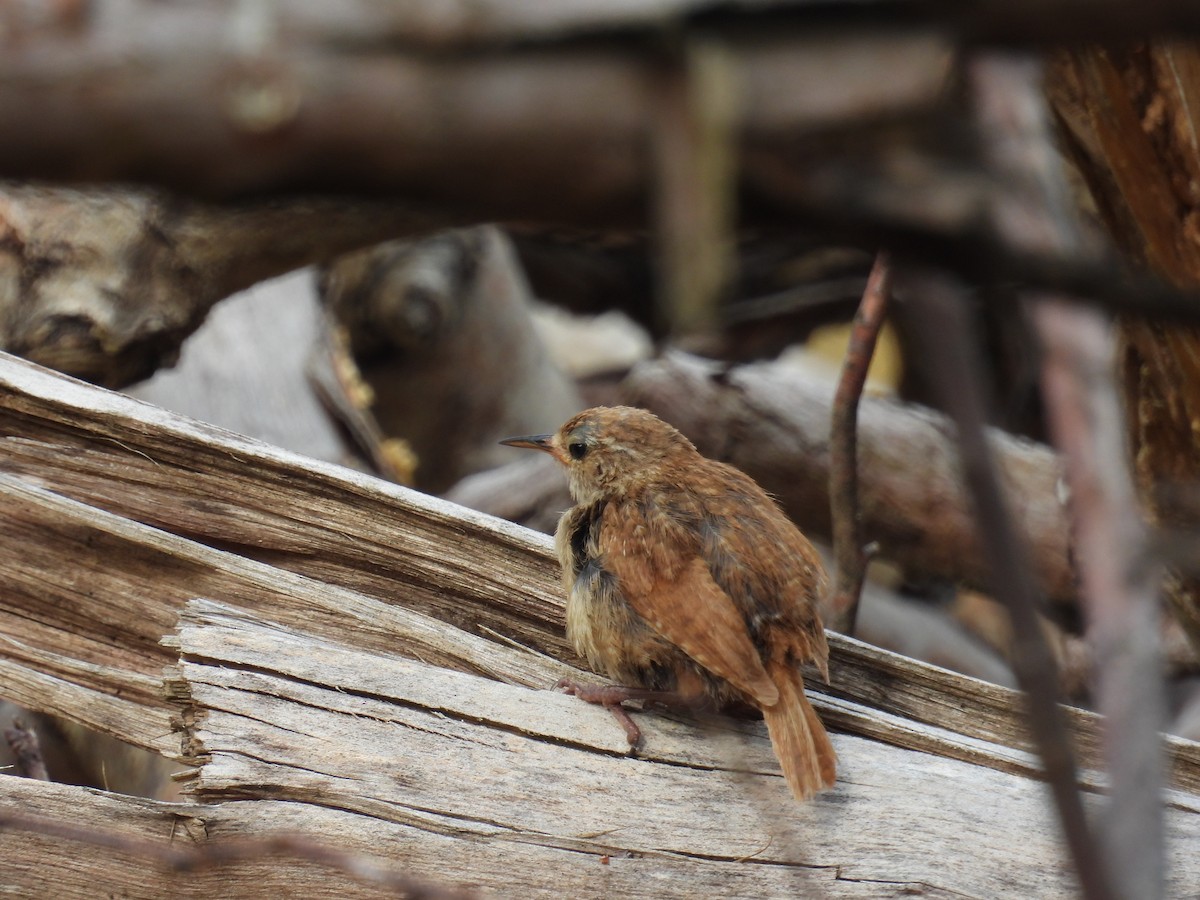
[{"x": 610, "y": 697}]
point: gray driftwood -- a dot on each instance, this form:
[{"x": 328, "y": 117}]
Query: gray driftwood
[
  {"x": 441, "y": 332},
  {"x": 106, "y": 283},
  {"x": 344, "y": 660}
]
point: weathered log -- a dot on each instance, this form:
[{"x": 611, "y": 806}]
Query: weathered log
[
  {"x": 424, "y": 559},
  {"x": 441, "y": 332},
  {"x": 285, "y": 712},
  {"x": 291, "y": 99},
  {"x": 106, "y": 283},
  {"x": 313, "y": 697}
]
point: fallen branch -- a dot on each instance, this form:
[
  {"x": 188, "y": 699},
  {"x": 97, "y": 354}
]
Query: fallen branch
[
  {"x": 106, "y": 283},
  {"x": 395, "y": 570},
  {"x": 320, "y": 709},
  {"x": 288, "y": 101}
]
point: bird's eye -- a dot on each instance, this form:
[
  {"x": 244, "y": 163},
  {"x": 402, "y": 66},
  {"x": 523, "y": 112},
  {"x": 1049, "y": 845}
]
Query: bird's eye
[{"x": 577, "y": 449}]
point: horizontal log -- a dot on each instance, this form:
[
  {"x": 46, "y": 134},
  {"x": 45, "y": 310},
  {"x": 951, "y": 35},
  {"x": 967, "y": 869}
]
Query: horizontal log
[
  {"x": 282, "y": 715},
  {"x": 297, "y": 101},
  {"x": 310, "y": 696}
]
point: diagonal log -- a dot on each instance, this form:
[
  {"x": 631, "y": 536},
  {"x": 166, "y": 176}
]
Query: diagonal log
[
  {"x": 307, "y": 543},
  {"x": 338, "y": 700}
]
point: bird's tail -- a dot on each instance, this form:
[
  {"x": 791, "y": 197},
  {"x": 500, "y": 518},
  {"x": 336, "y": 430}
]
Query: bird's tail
[{"x": 804, "y": 750}]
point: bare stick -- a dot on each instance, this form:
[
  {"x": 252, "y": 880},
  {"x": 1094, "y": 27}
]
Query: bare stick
[
  {"x": 850, "y": 555},
  {"x": 944, "y": 349},
  {"x": 1119, "y": 597}
]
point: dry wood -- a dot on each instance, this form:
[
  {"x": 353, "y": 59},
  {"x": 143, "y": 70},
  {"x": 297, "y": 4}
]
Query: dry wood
[
  {"x": 441, "y": 333},
  {"x": 1131, "y": 119},
  {"x": 294, "y": 688},
  {"x": 299, "y": 718},
  {"x": 773, "y": 423},
  {"x": 89, "y": 843},
  {"x": 106, "y": 283},
  {"x": 284, "y": 98},
  {"x": 371, "y": 545},
  {"x": 141, "y": 849},
  {"x": 279, "y": 98}
]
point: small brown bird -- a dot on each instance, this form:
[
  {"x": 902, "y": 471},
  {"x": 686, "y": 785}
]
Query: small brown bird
[{"x": 683, "y": 576}]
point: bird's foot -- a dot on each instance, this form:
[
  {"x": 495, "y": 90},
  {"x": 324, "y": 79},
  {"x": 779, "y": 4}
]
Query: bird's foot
[{"x": 611, "y": 696}]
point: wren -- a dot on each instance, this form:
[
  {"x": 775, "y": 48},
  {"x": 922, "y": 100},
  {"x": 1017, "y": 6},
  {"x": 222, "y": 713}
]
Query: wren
[{"x": 684, "y": 578}]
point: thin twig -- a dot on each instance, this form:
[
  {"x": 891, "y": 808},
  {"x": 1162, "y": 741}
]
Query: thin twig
[
  {"x": 189, "y": 858},
  {"x": 850, "y": 555},
  {"x": 1119, "y": 596},
  {"x": 945, "y": 350}
]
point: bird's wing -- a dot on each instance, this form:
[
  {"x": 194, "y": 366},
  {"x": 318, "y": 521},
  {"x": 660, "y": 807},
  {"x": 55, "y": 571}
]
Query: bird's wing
[
  {"x": 785, "y": 584},
  {"x": 669, "y": 585}
]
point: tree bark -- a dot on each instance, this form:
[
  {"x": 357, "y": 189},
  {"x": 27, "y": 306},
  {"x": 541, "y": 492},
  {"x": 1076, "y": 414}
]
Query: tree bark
[
  {"x": 106, "y": 283},
  {"x": 1130, "y": 117}
]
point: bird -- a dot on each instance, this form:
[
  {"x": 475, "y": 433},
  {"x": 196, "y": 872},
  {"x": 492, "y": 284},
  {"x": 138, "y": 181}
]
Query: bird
[{"x": 684, "y": 579}]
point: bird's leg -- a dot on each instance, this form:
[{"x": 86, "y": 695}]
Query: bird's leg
[{"x": 611, "y": 696}]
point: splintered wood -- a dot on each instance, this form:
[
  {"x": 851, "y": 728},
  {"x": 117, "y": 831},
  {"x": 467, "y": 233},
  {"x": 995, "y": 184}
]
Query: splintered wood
[{"x": 347, "y": 665}]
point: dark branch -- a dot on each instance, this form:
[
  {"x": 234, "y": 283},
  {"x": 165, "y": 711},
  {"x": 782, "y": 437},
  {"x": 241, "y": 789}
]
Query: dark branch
[
  {"x": 850, "y": 555},
  {"x": 944, "y": 350},
  {"x": 1084, "y": 415}
]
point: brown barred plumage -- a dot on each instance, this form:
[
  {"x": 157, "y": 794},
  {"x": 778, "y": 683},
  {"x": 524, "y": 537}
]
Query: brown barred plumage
[{"x": 682, "y": 575}]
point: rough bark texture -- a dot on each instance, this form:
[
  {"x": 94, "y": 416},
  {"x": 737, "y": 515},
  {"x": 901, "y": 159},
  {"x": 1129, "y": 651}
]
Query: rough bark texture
[{"x": 1131, "y": 118}]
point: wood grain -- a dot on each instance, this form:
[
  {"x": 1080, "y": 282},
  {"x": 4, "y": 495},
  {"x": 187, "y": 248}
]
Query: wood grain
[
  {"x": 378, "y": 677},
  {"x": 368, "y": 551},
  {"x": 297, "y": 718}
]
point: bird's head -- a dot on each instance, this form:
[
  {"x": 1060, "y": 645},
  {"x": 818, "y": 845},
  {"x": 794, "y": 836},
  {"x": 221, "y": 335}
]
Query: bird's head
[{"x": 611, "y": 450}]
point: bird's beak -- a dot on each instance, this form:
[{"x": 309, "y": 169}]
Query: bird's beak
[{"x": 533, "y": 442}]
